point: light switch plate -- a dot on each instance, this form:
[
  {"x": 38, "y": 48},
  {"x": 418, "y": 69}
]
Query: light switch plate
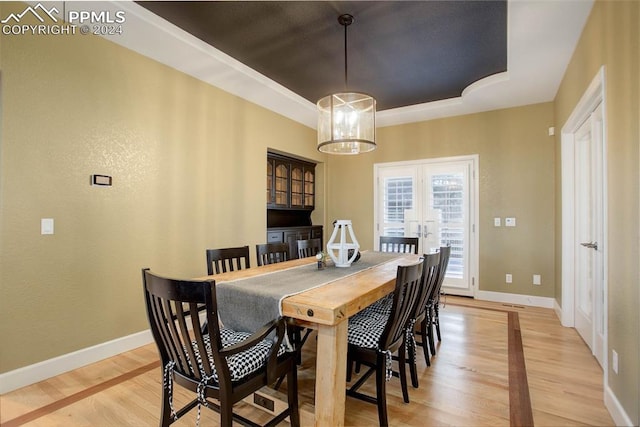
[
  {"x": 46, "y": 226},
  {"x": 496, "y": 222},
  {"x": 509, "y": 222}
]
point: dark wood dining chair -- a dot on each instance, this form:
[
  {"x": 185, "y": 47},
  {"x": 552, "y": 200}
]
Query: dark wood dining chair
[
  {"x": 209, "y": 360},
  {"x": 372, "y": 340},
  {"x": 271, "y": 253},
  {"x": 419, "y": 316},
  {"x": 407, "y": 245},
  {"x": 227, "y": 259},
  {"x": 433, "y": 304},
  {"x": 309, "y": 247}
]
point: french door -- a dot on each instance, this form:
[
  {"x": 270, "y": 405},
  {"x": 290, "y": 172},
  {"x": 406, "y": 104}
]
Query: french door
[{"x": 435, "y": 200}]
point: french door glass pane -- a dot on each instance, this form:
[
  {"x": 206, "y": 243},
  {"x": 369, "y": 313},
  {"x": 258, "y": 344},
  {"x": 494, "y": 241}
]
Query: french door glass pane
[
  {"x": 398, "y": 197},
  {"x": 447, "y": 196}
]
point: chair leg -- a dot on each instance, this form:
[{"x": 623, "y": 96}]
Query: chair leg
[
  {"x": 292, "y": 396},
  {"x": 165, "y": 416},
  {"x": 278, "y": 383},
  {"x": 413, "y": 369},
  {"x": 432, "y": 344},
  {"x": 402, "y": 370},
  {"x": 424, "y": 339},
  {"x": 436, "y": 320},
  {"x": 226, "y": 411},
  {"x": 381, "y": 390},
  {"x": 297, "y": 344}
]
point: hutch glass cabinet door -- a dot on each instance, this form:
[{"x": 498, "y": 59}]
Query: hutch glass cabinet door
[
  {"x": 309, "y": 188},
  {"x": 296, "y": 186},
  {"x": 270, "y": 190},
  {"x": 281, "y": 184}
]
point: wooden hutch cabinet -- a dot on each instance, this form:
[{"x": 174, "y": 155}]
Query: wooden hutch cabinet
[
  {"x": 290, "y": 183},
  {"x": 290, "y": 201}
]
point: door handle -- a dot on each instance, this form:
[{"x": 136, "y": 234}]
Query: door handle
[
  {"x": 590, "y": 245},
  {"x": 426, "y": 231}
]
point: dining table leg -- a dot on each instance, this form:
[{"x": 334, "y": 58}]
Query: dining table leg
[{"x": 331, "y": 372}]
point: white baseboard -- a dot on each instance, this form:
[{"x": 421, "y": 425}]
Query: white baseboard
[
  {"x": 40, "y": 371},
  {"x": 544, "y": 302},
  {"x": 558, "y": 310},
  {"x": 620, "y": 417}
]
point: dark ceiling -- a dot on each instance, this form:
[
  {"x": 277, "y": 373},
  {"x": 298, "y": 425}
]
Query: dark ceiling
[{"x": 401, "y": 52}]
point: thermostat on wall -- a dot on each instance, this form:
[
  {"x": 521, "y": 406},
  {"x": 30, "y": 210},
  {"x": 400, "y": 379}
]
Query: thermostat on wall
[{"x": 101, "y": 180}]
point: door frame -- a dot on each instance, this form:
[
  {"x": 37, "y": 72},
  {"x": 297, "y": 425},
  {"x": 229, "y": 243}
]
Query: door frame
[
  {"x": 594, "y": 95},
  {"x": 474, "y": 206}
]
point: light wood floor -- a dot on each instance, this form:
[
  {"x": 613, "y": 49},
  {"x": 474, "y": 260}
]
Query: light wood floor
[{"x": 473, "y": 381}]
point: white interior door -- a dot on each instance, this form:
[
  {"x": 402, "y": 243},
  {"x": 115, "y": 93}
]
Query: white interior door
[
  {"x": 589, "y": 273},
  {"x": 435, "y": 201}
]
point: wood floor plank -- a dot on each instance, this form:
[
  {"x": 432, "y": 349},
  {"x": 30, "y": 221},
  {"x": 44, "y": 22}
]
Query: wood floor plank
[
  {"x": 467, "y": 384},
  {"x": 81, "y": 395},
  {"x": 519, "y": 400}
]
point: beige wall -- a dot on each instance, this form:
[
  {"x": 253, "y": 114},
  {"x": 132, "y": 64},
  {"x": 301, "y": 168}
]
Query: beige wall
[
  {"x": 611, "y": 38},
  {"x": 188, "y": 163},
  {"x": 188, "y": 168},
  {"x": 516, "y": 173}
]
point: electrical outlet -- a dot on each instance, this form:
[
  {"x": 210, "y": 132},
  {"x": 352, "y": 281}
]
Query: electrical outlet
[
  {"x": 614, "y": 361},
  {"x": 509, "y": 278},
  {"x": 536, "y": 279},
  {"x": 496, "y": 222}
]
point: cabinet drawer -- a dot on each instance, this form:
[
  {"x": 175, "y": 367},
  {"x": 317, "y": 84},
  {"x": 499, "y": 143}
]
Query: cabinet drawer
[{"x": 274, "y": 237}]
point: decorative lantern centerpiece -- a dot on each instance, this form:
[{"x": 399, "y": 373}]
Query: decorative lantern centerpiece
[{"x": 339, "y": 250}]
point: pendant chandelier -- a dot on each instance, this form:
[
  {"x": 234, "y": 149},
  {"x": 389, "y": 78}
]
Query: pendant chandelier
[{"x": 346, "y": 120}]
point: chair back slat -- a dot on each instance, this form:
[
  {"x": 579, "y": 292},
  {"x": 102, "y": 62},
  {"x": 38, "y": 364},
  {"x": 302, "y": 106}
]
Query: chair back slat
[
  {"x": 176, "y": 341},
  {"x": 408, "y": 245},
  {"x": 427, "y": 283},
  {"x": 271, "y": 253},
  {"x": 309, "y": 247},
  {"x": 445, "y": 253},
  {"x": 227, "y": 259},
  {"x": 404, "y": 298}
]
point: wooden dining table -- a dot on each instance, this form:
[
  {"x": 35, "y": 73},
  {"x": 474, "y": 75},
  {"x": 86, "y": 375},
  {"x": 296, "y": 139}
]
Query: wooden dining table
[{"x": 326, "y": 308}]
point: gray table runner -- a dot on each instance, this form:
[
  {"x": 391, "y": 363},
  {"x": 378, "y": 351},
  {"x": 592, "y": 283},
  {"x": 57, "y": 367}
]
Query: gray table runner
[{"x": 247, "y": 304}]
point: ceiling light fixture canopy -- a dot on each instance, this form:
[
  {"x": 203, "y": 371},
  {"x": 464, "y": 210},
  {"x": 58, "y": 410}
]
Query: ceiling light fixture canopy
[{"x": 346, "y": 120}]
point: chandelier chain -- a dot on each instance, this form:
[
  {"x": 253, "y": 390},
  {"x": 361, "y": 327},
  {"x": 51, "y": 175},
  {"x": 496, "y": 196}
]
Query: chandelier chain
[{"x": 345, "y": 20}]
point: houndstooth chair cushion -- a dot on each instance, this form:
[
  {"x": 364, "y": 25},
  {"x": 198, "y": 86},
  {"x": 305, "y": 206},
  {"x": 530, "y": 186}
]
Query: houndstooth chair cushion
[
  {"x": 367, "y": 325},
  {"x": 241, "y": 364},
  {"x": 381, "y": 307},
  {"x": 365, "y": 329}
]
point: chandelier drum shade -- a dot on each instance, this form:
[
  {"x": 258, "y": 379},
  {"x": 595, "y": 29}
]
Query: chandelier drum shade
[
  {"x": 346, "y": 120},
  {"x": 347, "y": 123}
]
